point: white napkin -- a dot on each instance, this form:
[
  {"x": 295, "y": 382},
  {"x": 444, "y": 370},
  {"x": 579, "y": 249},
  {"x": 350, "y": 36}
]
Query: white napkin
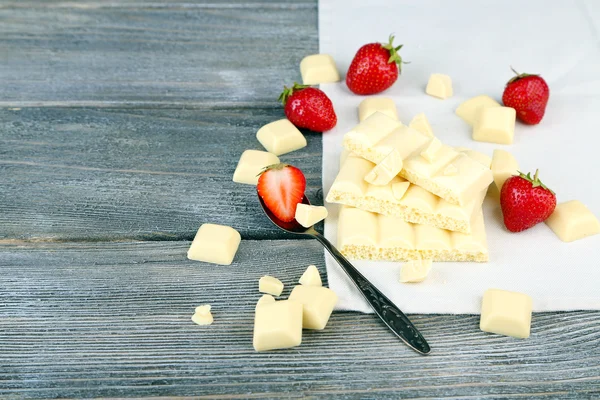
[{"x": 476, "y": 43}]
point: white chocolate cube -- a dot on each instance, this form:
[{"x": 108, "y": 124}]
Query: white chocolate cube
[
  {"x": 386, "y": 170},
  {"x": 311, "y": 277},
  {"x": 215, "y": 244},
  {"x": 317, "y": 302},
  {"x": 495, "y": 125},
  {"x": 572, "y": 220},
  {"x": 415, "y": 271},
  {"x": 431, "y": 151},
  {"x": 439, "y": 86},
  {"x": 308, "y": 215},
  {"x": 202, "y": 315},
  {"x": 504, "y": 165},
  {"x": 251, "y": 164},
  {"x": 370, "y": 105},
  {"x": 420, "y": 123},
  {"x": 270, "y": 285},
  {"x": 318, "y": 68},
  {"x": 264, "y": 300},
  {"x": 468, "y": 110},
  {"x": 281, "y": 137},
  {"x": 278, "y": 325},
  {"x": 506, "y": 313}
]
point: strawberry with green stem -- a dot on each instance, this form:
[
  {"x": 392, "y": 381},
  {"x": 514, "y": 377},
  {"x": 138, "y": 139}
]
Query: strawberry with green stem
[{"x": 308, "y": 107}]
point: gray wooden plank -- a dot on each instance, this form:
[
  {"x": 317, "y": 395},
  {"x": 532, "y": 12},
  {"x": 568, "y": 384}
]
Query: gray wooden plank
[
  {"x": 113, "y": 174},
  {"x": 83, "y": 53},
  {"x": 113, "y": 320}
]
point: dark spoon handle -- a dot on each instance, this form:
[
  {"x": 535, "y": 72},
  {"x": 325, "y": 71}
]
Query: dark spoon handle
[{"x": 384, "y": 308}]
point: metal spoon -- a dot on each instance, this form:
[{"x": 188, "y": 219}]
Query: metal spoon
[{"x": 383, "y": 307}]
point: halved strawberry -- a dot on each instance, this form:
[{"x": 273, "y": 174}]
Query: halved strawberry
[{"x": 281, "y": 186}]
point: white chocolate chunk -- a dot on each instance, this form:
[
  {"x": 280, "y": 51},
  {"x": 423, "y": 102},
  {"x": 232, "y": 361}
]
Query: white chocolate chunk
[
  {"x": 370, "y": 105},
  {"x": 251, "y": 164},
  {"x": 317, "y": 303},
  {"x": 215, "y": 244},
  {"x": 280, "y": 137},
  {"x": 572, "y": 220},
  {"x": 270, "y": 285},
  {"x": 277, "y": 325},
  {"x": 308, "y": 215},
  {"x": 318, "y": 68},
  {"x": 202, "y": 315},
  {"x": 468, "y": 110},
  {"x": 386, "y": 170},
  {"x": 439, "y": 86},
  {"x": 311, "y": 277},
  {"x": 504, "y": 165},
  {"x": 415, "y": 271},
  {"x": 420, "y": 123},
  {"x": 432, "y": 150},
  {"x": 506, "y": 313},
  {"x": 264, "y": 300},
  {"x": 495, "y": 125}
]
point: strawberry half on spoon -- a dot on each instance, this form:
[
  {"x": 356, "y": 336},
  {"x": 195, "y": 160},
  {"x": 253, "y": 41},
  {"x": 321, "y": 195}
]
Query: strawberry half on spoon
[{"x": 281, "y": 187}]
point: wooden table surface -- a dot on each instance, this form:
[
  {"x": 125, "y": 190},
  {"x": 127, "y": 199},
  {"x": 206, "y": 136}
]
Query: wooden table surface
[{"x": 121, "y": 123}]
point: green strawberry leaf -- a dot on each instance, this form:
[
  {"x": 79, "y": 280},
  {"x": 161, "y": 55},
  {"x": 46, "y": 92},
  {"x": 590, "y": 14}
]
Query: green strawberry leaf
[
  {"x": 288, "y": 91},
  {"x": 535, "y": 181}
]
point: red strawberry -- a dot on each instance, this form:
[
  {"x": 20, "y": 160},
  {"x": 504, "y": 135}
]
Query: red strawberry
[
  {"x": 525, "y": 202},
  {"x": 528, "y": 94},
  {"x": 375, "y": 67},
  {"x": 308, "y": 107},
  {"x": 281, "y": 186}
]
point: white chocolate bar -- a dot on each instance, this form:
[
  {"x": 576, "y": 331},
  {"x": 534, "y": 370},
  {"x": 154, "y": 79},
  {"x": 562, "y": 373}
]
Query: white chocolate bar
[
  {"x": 251, "y": 164},
  {"x": 215, "y": 244},
  {"x": 317, "y": 305},
  {"x": 363, "y": 235},
  {"x": 468, "y": 110},
  {"x": 308, "y": 215},
  {"x": 281, "y": 137},
  {"x": 504, "y": 165},
  {"x": 399, "y": 198},
  {"x": 375, "y": 137},
  {"x": 439, "y": 86},
  {"x": 572, "y": 220},
  {"x": 278, "y": 325},
  {"x": 420, "y": 123},
  {"x": 311, "y": 277},
  {"x": 270, "y": 285},
  {"x": 415, "y": 271},
  {"x": 481, "y": 158},
  {"x": 506, "y": 313},
  {"x": 370, "y": 105},
  {"x": 495, "y": 125},
  {"x": 318, "y": 68}
]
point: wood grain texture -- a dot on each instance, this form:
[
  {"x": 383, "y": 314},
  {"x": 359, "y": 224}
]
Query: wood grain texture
[
  {"x": 94, "y": 53},
  {"x": 113, "y": 319},
  {"x": 114, "y": 174}
]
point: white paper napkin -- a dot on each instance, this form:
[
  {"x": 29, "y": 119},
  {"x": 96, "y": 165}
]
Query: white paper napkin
[{"x": 476, "y": 43}]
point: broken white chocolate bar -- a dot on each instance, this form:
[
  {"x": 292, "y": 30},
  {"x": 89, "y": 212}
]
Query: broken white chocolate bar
[
  {"x": 400, "y": 198},
  {"x": 363, "y": 235},
  {"x": 424, "y": 163}
]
